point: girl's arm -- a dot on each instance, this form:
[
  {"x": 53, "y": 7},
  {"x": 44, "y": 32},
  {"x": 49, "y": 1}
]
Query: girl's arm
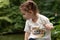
[
  {"x": 26, "y": 35},
  {"x": 48, "y": 25}
]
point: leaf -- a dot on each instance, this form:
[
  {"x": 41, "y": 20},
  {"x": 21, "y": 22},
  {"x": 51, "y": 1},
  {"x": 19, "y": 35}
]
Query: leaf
[{"x": 6, "y": 18}]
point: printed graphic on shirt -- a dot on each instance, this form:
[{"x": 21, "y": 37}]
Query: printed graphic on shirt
[{"x": 38, "y": 32}]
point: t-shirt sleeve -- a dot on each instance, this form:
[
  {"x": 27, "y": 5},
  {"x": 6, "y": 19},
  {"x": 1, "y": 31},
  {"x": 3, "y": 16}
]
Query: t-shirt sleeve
[
  {"x": 27, "y": 27},
  {"x": 47, "y": 21}
]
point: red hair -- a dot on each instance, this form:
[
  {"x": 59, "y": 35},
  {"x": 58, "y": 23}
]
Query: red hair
[{"x": 29, "y": 5}]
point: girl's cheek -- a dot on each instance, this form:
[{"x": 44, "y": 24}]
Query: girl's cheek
[{"x": 25, "y": 17}]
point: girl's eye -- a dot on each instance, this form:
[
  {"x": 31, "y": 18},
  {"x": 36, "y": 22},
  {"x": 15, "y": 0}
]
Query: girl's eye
[{"x": 23, "y": 13}]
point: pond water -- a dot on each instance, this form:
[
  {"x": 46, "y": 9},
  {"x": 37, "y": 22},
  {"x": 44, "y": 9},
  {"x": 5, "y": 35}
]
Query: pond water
[{"x": 12, "y": 37}]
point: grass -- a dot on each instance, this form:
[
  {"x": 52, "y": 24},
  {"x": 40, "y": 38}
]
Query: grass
[{"x": 12, "y": 37}]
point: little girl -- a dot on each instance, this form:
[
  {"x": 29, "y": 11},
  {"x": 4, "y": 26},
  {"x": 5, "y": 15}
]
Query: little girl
[{"x": 38, "y": 27}]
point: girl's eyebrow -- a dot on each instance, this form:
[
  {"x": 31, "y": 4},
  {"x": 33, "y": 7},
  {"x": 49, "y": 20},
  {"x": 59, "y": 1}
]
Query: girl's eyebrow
[{"x": 23, "y": 13}]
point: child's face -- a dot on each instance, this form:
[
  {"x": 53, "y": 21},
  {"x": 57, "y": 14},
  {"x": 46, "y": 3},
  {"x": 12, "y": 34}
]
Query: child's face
[{"x": 26, "y": 14}]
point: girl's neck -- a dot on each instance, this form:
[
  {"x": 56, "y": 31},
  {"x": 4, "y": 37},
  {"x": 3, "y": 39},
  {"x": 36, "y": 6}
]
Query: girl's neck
[{"x": 34, "y": 18}]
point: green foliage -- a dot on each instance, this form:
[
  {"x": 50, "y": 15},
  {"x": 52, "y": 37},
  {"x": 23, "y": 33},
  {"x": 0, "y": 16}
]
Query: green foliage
[
  {"x": 11, "y": 18},
  {"x": 56, "y": 33},
  {"x": 4, "y": 3}
]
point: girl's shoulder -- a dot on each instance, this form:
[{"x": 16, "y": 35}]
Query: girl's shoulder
[{"x": 43, "y": 17}]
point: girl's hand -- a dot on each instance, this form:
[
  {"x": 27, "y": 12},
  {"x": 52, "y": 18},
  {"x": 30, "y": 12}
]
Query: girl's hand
[{"x": 48, "y": 26}]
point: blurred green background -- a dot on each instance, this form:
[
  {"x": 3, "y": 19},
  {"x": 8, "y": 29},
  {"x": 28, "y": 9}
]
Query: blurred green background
[{"x": 12, "y": 22}]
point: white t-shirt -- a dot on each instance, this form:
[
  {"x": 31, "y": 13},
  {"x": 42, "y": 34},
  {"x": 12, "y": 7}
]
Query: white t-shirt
[{"x": 37, "y": 29}]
